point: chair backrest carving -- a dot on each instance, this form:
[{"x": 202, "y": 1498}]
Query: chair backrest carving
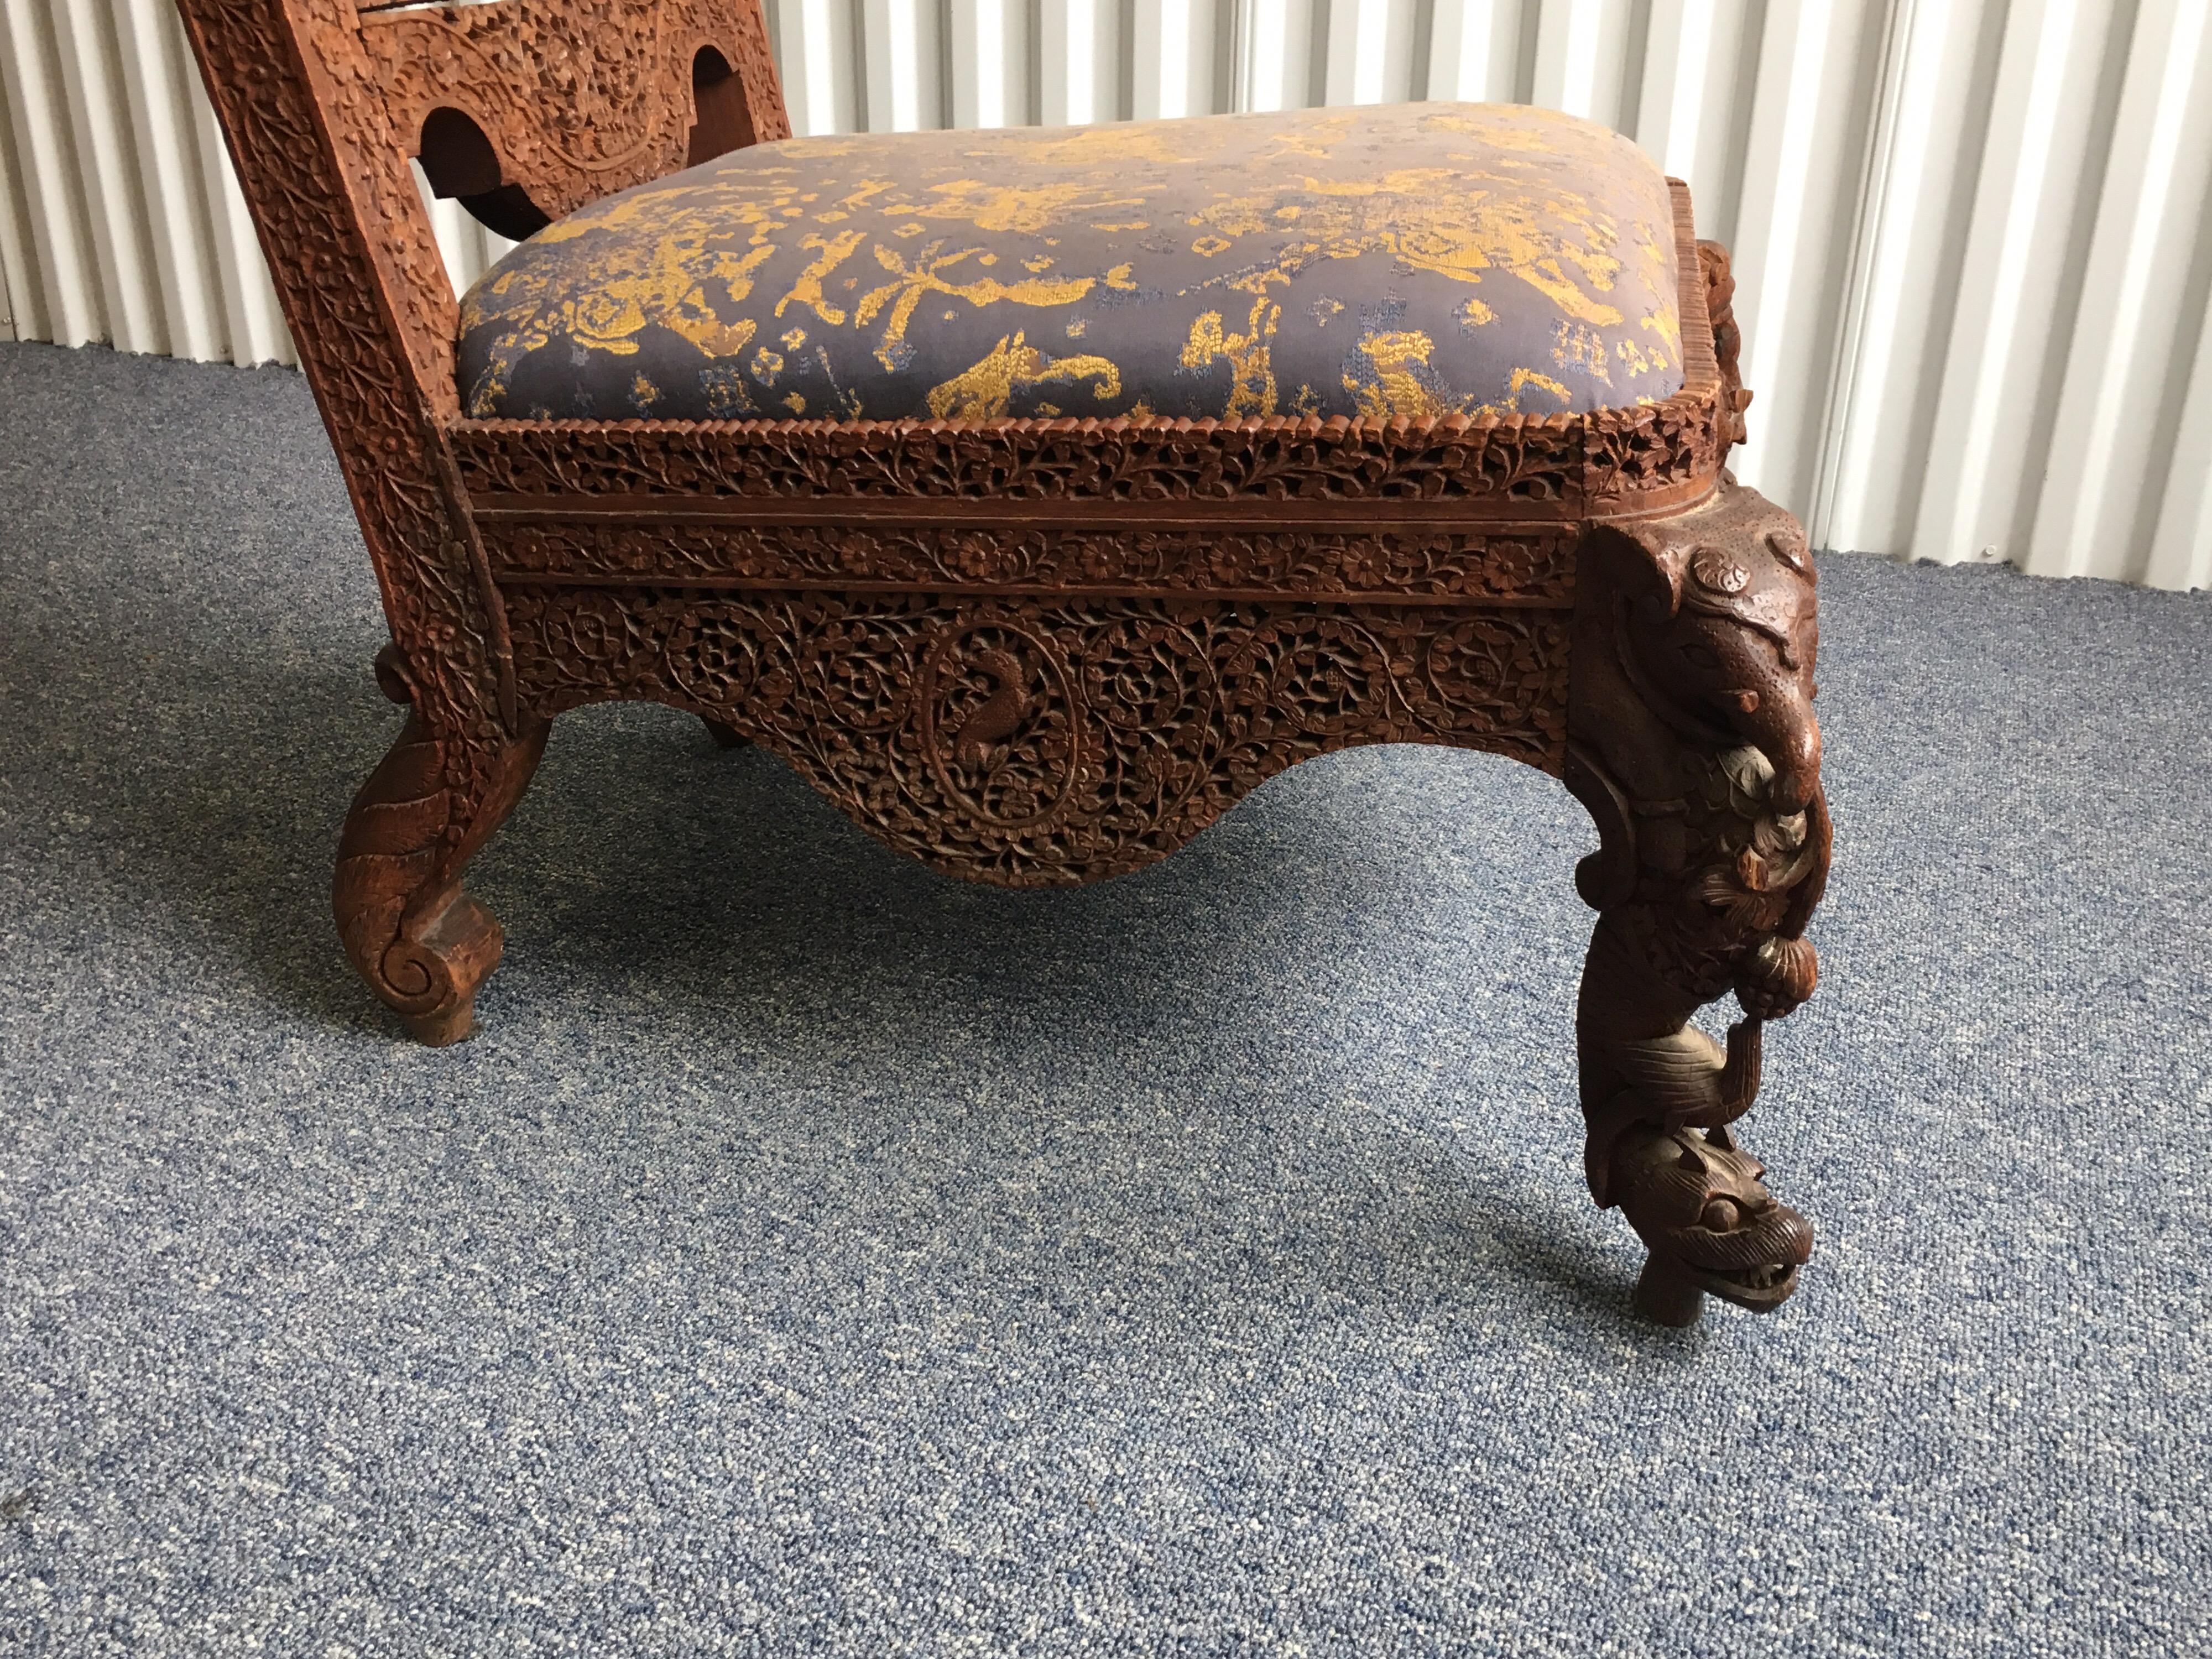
[
  {"x": 523, "y": 110},
  {"x": 561, "y": 102}
]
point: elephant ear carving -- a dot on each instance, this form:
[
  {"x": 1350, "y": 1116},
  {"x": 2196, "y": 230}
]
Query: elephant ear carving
[
  {"x": 1607, "y": 876},
  {"x": 1718, "y": 572},
  {"x": 1785, "y": 540},
  {"x": 1750, "y": 572},
  {"x": 1665, "y": 557}
]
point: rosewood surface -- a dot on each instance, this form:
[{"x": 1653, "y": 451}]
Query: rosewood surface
[{"x": 1033, "y": 651}]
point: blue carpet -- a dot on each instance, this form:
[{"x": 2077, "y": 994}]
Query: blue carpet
[{"x": 816, "y": 1255}]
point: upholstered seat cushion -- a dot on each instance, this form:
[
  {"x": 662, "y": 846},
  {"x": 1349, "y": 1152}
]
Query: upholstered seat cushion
[{"x": 1394, "y": 260}]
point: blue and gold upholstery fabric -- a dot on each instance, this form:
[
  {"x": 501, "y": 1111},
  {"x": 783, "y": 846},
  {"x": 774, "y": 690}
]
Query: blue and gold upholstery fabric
[{"x": 1395, "y": 260}]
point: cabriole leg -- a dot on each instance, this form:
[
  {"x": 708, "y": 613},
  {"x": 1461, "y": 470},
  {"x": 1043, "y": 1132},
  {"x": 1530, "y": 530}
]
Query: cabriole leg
[
  {"x": 1692, "y": 741},
  {"x": 422, "y": 943}
]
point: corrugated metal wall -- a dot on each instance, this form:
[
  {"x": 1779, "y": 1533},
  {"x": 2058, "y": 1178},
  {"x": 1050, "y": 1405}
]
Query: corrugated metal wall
[{"x": 1970, "y": 234}]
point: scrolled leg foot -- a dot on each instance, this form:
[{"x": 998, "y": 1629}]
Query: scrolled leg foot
[
  {"x": 431, "y": 971},
  {"x": 423, "y": 944},
  {"x": 1693, "y": 743},
  {"x": 441, "y": 1030}
]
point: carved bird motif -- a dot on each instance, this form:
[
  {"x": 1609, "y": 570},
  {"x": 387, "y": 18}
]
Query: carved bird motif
[{"x": 1001, "y": 715}]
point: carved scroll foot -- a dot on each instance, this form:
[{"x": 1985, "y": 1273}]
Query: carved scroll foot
[
  {"x": 422, "y": 943},
  {"x": 1693, "y": 743},
  {"x": 725, "y": 736}
]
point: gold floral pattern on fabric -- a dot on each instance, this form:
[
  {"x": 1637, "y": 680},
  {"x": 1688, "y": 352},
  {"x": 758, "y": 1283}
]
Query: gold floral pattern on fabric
[{"x": 1395, "y": 260}]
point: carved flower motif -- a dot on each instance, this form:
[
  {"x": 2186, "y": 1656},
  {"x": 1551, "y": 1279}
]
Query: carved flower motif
[
  {"x": 855, "y": 552},
  {"x": 1098, "y": 558},
  {"x": 1719, "y": 571},
  {"x": 600, "y": 636},
  {"x": 984, "y": 558},
  {"x": 1509, "y": 566},
  {"x": 1366, "y": 562}
]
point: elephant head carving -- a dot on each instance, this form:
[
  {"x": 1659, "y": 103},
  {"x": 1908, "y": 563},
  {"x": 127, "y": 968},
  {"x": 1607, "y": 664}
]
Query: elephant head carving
[{"x": 1726, "y": 639}]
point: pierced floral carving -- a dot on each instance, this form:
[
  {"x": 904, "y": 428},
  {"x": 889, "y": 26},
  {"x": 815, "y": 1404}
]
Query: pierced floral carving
[
  {"x": 579, "y": 98},
  {"x": 1032, "y": 742},
  {"x": 1523, "y": 464}
]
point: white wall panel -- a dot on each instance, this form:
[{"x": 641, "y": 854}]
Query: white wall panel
[
  {"x": 20, "y": 312},
  {"x": 1179, "y": 58},
  {"x": 252, "y": 324},
  {"x": 1974, "y": 276},
  {"x": 1475, "y": 52},
  {"x": 120, "y": 219},
  {"x": 1275, "y": 52},
  {"x": 157, "y": 86},
  {"x": 1081, "y": 50},
  {"x": 56, "y": 286},
  {"x": 2027, "y": 236},
  {"x": 1582, "y": 62},
  {"x": 2099, "y": 494},
  {"x": 819, "y": 56},
  {"x": 1371, "y": 52},
  {"x": 1801, "y": 170},
  {"x": 987, "y": 58},
  {"x": 2181, "y": 546},
  {"x": 108, "y": 176}
]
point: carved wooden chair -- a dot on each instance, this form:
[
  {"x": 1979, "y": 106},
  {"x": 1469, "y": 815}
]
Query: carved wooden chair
[{"x": 1036, "y": 494}]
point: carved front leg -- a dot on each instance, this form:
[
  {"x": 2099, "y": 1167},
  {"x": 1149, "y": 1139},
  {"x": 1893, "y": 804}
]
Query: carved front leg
[
  {"x": 422, "y": 943},
  {"x": 1692, "y": 741}
]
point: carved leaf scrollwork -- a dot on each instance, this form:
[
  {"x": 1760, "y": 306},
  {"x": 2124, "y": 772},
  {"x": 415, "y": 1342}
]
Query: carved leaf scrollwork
[
  {"x": 579, "y": 98},
  {"x": 1538, "y": 466},
  {"x": 1034, "y": 742}
]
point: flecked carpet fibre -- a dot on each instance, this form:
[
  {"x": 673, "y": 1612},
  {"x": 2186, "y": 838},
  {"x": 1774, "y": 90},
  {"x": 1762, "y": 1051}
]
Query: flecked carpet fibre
[{"x": 816, "y": 1255}]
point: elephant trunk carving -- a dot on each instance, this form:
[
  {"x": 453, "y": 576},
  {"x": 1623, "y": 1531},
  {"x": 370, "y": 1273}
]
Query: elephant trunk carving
[{"x": 1693, "y": 743}]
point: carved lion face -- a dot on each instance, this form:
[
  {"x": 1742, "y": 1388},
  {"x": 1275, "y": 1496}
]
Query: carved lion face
[{"x": 1699, "y": 1201}]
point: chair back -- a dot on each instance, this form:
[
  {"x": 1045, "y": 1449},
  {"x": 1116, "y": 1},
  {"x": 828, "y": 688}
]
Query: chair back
[{"x": 523, "y": 110}]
